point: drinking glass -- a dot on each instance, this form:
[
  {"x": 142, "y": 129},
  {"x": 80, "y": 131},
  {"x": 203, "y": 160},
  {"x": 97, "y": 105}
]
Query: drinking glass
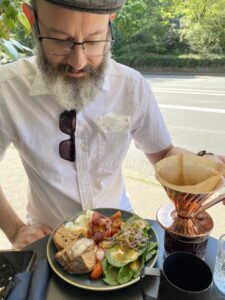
[
  {"x": 183, "y": 276},
  {"x": 219, "y": 270}
]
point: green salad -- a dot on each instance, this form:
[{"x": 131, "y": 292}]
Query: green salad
[{"x": 127, "y": 251}]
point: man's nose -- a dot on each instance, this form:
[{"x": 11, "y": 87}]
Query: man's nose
[{"x": 77, "y": 58}]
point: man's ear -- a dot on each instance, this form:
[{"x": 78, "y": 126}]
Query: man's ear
[
  {"x": 28, "y": 11},
  {"x": 112, "y": 17}
]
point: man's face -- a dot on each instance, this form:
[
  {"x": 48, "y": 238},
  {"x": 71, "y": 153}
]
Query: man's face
[{"x": 73, "y": 79}]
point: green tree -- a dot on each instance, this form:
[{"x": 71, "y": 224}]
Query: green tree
[
  {"x": 14, "y": 31},
  {"x": 203, "y": 25},
  {"x": 130, "y": 20},
  {"x": 145, "y": 26}
]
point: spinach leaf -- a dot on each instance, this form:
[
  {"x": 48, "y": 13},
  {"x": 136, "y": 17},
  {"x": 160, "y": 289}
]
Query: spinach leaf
[
  {"x": 125, "y": 274},
  {"x": 110, "y": 273},
  {"x": 151, "y": 250},
  {"x": 141, "y": 264}
]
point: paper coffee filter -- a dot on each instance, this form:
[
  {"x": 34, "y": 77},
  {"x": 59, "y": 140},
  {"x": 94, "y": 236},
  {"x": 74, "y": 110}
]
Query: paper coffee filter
[{"x": 190, "y": 174}]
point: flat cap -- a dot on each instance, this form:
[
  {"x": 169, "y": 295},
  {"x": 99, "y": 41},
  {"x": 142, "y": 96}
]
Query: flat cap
[{"x": 91, "y": 6}]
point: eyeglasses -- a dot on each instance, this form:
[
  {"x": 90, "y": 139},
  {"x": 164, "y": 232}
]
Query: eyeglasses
[
  {"x": 63, "y": 47},
  {"x": 59, "y": 47},
  {"x": 67, "y": 124}
]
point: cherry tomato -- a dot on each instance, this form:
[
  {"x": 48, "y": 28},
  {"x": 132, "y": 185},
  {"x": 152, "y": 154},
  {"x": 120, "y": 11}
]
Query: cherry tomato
[{"x": 97, "y": 271}]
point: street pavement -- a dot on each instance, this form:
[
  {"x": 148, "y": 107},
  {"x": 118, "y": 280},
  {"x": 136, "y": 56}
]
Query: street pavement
[{"x": 193, "y": 108}]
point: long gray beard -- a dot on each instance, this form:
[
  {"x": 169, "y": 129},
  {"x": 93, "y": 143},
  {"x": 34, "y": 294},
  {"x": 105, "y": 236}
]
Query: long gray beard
[{"x": 72, "y": 93}]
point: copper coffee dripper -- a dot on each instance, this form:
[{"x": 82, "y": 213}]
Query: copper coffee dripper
[
  {"x": 188, "y": 216},
  {"x": 192, "y": 186}
]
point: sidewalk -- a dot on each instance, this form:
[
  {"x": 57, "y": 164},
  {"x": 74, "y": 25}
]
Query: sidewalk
[{"x": 145, "y": 193}]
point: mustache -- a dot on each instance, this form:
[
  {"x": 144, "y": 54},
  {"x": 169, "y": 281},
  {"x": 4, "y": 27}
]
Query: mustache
[{"x": 88, "y": 69}]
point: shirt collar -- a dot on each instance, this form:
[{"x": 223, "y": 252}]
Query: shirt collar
[{"x": 38, "y": 87}]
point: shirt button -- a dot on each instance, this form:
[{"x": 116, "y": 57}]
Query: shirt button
[{"x": 83, "y": 146}]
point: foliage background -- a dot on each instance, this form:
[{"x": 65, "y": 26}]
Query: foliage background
[
  {"x": 171, "y": 33},
  {"x": 149, "y": 33},
  {"x": 15, "y": 38}
]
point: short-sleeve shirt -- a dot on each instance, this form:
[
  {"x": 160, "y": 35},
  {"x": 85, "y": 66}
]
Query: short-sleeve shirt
[{"x": 125, "y": 109}]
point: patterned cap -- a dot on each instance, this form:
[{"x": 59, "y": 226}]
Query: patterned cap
[{"x": 92, "y": 6}]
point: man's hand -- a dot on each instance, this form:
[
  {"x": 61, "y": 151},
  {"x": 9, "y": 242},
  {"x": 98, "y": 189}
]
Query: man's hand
[
  {"x": 219, "y": 159},
  {"x": 27, "y": 234},
  {"x": 222, "y": 161}
]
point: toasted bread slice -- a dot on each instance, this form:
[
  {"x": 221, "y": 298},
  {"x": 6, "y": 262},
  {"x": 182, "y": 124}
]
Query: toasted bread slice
[
  {"x": 64, "y": 236},
  {"x": 83, "y": 263},
  {"x": 78, "y": 257}
]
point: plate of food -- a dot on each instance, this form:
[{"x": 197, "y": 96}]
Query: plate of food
[{"x": 102, "y": 249}]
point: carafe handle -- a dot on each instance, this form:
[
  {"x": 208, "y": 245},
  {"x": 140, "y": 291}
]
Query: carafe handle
[{"x": 211, "y": 203}]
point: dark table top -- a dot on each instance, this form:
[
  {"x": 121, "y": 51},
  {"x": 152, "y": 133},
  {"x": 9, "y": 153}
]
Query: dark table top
[{"x": 59, "y": 289}]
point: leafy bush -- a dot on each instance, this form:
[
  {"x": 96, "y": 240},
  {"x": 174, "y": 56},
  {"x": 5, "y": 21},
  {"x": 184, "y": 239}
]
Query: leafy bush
[
  {"x": 14, "y": 32},
  {"x": 189, "y": 61},
  {"x": 204, "y": 38}
]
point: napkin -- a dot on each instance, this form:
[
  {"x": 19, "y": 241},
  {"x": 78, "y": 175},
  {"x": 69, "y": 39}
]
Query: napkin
[{"x": 31, "y": 285}]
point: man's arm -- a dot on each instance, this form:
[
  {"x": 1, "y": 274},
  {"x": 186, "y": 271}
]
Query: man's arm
[
  {"x": 171, "y": 150},
  {"x": 17, "y": 232},
  {"x": 9, "y": 221}
]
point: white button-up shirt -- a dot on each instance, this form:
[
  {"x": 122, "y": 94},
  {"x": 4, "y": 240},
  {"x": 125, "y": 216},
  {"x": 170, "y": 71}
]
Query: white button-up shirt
[{"x": 29, "y": 118}]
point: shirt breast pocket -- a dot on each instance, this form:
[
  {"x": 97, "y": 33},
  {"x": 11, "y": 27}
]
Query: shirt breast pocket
[{"x": 113, "y": 139}]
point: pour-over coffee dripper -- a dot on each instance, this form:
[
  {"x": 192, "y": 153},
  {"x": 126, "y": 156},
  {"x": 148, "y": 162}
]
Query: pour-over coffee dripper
[{"x": 191, "y": 183}]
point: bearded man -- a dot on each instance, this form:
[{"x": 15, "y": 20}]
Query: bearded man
[{"x": 71, "y": 111}]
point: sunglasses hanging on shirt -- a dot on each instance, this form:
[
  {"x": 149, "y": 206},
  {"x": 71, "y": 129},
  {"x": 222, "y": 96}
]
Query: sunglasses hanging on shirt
[{"x": 67, "y": 124}]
